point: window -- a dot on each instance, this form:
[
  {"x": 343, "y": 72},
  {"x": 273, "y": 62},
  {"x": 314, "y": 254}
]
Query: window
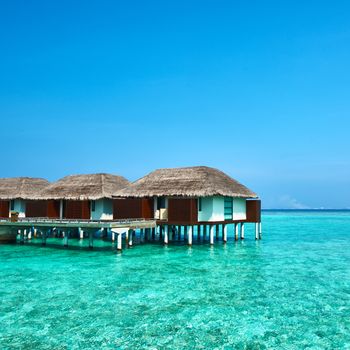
[
  {"x": 160, "y": 203},
  {"x": 12, "y": 205},
  {"x": 199, "y": 204},
  {"x": 92, "y": 205},
  {"x": 228, "y": 208}
]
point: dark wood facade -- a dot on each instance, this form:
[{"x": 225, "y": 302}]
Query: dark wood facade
[
  {"x": 253, "y": 209},
  {"x": 76, "y": 209},
  {"x": 182, "y": 211},
  {"x": 43, "y": 209},
  {"x": 4, "y": 209},
  {"x": 53, "y": 209},
  {"x": 133, "y": 208},
  {"x": 36, "y": 209}
]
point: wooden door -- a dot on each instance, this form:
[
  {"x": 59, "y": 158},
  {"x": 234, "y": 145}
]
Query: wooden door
[
  {"x": 182, "y": 211},
  {"x": 53, "y": 209},
  {"x": 36, "y": 209},
  {"x": 77, "y": 209},
  {"x": 4, "y": 209}
]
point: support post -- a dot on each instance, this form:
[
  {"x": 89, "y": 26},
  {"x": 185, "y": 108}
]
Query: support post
[
  {"x": 198, "y": 232},
  {"x": 35, "y": 232},
  {"x": 242, "y": 230},
  {"x": 153, "y": 233},
  {"x": 185, "y": 232},
  {"x": 190, "y": 235},
  {"x": 204, "y": 232},
  {"x": 127, "y": 238},
  {"x": 65, "y": 241},
  {"x": 91, "y": 239},
  {"x": 256, "y": 230},
  {"x": 166, "y": 238},
  {"x": 81, "y": 233},
  {"x": 224, "y": 233},
  {"x": 142, "y": 235},
  {"x": 217, "y": 232},
  {"x": 130, "y": 233},
  {"x": 21, "y": 236},
  {"x": 43, "y": 236},
  {"x": 179, "y": 233},
  {"x": 113, "y": 236},
  {"x": 30, "y": 234},
  {"x": 212, "y": 228},
  {"x": 260, "y": 231},
  {"x": 119, "y": 241},
  {"x": 236, "y": 231}
]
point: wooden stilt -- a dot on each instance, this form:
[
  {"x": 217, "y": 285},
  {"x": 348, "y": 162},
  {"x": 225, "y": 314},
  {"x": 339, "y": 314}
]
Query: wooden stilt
[
  {"x": 81, "y": 233},
  {"x": 211, "y": 233},
  {"x": 256, "y": 231},
  {"x": 29, "y": 234},
  {"x": 127, "y": 238},
  {"x": 179, "y": 233},
  {"x": 113, "y": 236},
  {"x": 166, "y": 238},
  {"x": 130, "y": 238},
  {"x": 260, "y": 230},
  {"x": 43, "y": 237},
  {"x": 236, "y": 231},
  {"x": 35, "y": 233},
  {"x": 185, "y": 233},
  {"x": 204, "y": 233},
  {"x": 161, "y": 232},
  {"x": 170, "y": 232},
  {"x": 21, "y": 236},
  {"x": 242, "y": 230},
  {"x": 65, "y": 241},
  {"x": 198, "y": 232},
  {"x": 119, "y": 241},
  {"x": 153, "y": 233},
  {"x": 217, "y": 232},
  {"x": 190, "y": 235},
  {"x": 91, "y": 239},
  {"x": 224, "y": 233},
  {"x": 142, "y": 235}
]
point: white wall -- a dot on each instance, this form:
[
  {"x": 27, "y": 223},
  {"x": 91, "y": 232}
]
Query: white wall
[
  {"x": 239, "y": 209},
  {"x": 20, "y": 207},
  {"x": 213, "y": 209},
  {"x": 103, "y": 210},
  {"x": 207, "y": 209}
]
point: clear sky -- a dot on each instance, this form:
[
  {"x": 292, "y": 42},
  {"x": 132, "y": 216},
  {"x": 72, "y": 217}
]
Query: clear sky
[{"x": 258, "y": 89}]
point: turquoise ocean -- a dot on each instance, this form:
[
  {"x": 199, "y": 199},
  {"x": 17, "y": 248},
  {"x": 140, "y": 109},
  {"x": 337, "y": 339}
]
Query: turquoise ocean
[{"x": 291, "y": 290}]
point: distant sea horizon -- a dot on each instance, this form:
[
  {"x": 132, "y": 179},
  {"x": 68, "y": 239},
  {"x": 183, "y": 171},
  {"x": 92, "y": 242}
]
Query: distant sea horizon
[{"x": 309, "y": 209}]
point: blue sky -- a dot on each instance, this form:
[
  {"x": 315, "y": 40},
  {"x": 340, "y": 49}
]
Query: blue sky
[{"x": 259, "y": 89}]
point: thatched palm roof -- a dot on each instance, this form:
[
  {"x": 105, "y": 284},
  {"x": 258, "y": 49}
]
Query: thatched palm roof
[
  {"x": 199, "y": 181},
  {"x": 21, "y": 187},
  {"x": 85, "y": 187}
]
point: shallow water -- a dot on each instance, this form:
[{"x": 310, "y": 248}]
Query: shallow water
[{"x": 289, "y": 291}]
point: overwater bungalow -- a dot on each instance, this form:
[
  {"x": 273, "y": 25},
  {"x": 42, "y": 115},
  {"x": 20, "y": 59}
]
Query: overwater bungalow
[
  {"x": 203, "y": 196},
  {"x": 21, "y": 195},
  {"x": 84, "y": 196}
]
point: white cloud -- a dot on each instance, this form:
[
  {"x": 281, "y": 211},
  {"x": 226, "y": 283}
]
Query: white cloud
[{"x": 288, "y": 202}]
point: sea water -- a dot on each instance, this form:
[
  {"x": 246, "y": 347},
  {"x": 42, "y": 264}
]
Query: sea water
[{"x": 291, "y": 290}]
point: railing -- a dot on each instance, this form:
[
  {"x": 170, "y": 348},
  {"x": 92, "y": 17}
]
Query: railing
[{"x": 76, "y": 221}]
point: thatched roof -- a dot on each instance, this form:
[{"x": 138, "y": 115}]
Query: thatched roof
[
  {"x": 199, "y": 181},
  {"x": 85, "y": 187},
  {"x": 21, "y": 187}
]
